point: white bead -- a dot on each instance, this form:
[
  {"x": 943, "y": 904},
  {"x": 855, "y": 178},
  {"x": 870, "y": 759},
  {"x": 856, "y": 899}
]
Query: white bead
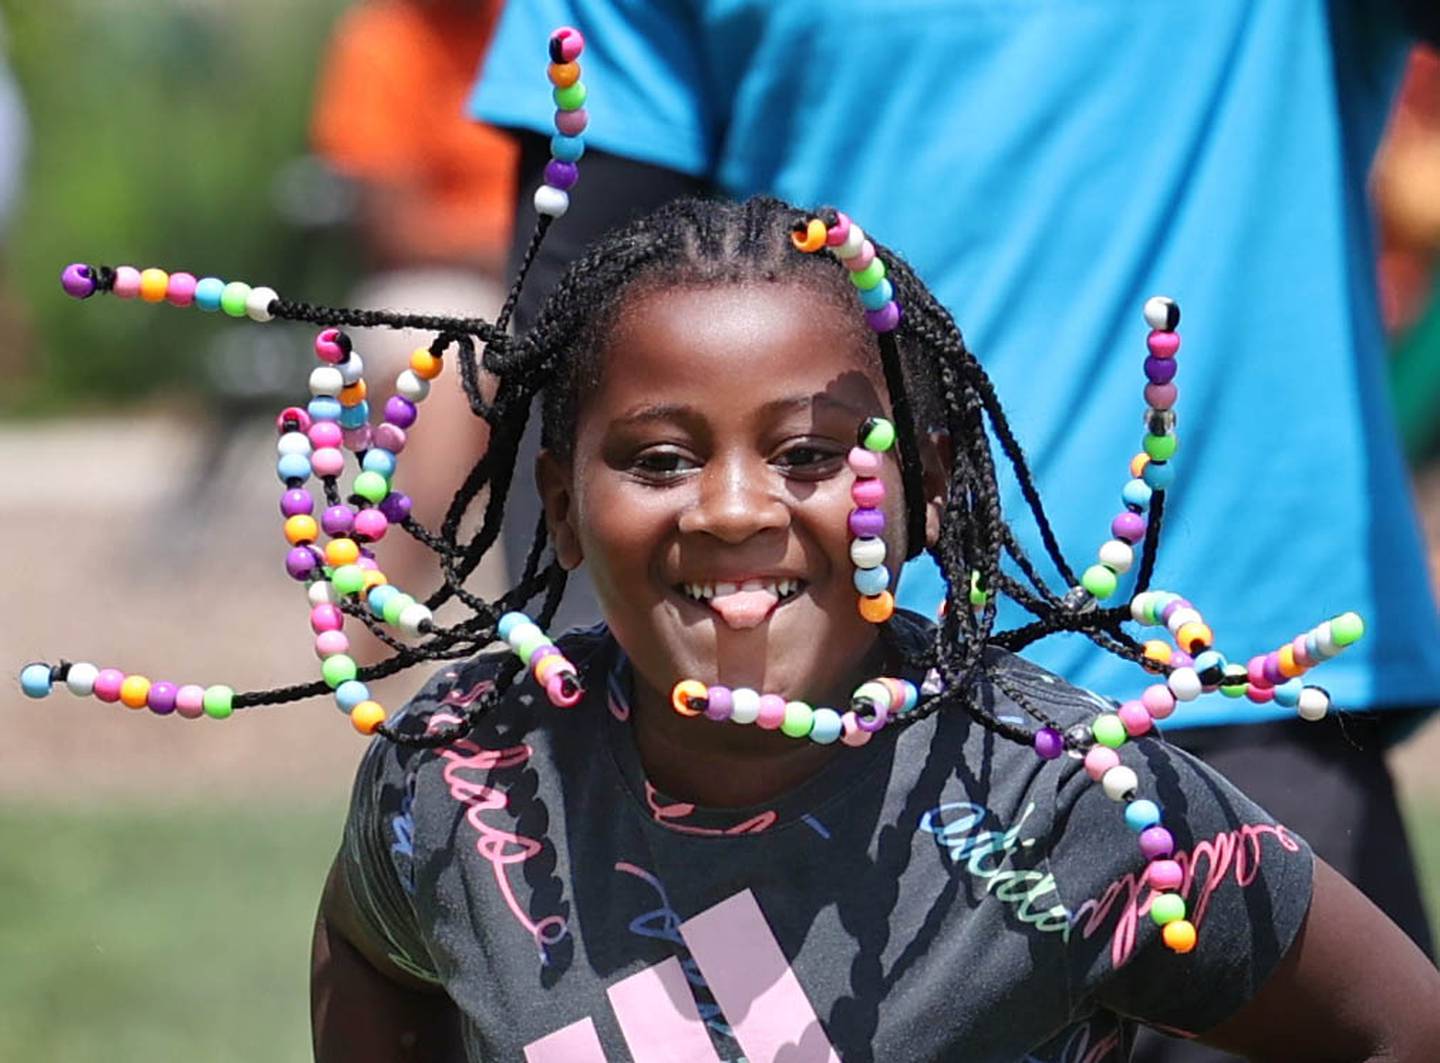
[
  {"x": 351, "y": 369},
  {"x": 321, "y": 593},
  {"x": 1161, "y": 313},
  {"x": 412, "y": 387},
  {"x": 80, "y": 680},
  {"x": 746, "y": 708},
  {"x": 854, "y": 241},
  {"x": 1120, "y": 783},
  {"x": 1139, "y": 605},
  {"x": 1117, "y": 556},
  {"x": 412, "y": 616},
  {"x": 1325, "y": 641},
  {"x": 1182, "y": 616},
  {"x": 326, "y": 380},
  {"x": 867, "y": 552},
  {"x": 1314, "y": 703},
  {"x": 1184, "y": 683},
  {"x": 551, "y": 201},
  {"x": 521, "y": 633},
  {"x": 293, "y": 443},
  {"x": 257, "y": 303}
]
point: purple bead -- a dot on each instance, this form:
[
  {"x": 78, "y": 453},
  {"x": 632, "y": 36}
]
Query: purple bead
[
  {"x": 1156, "y": 842},
  {"x": 337, "y": 520},
  {"x": 1272, "y": 668},
  {"x": 1160, "y": 370},
  {"x": 77, "y": 280},
  {"x": 161, "y": 698},
  {"x": 387, "y": 437},
  {"x": 1170, "y": 607},
  {"x": 571, "y": 123},
  {"x": 1128, "y": 526},
  {"x": 720, "y": 703},
  {"x": 561, "y": 175},
  {"x": 295, "y": 502},
  {"x": 400, "y": 411},
  {"x": 1049, "y": 743},
  {"x": 1181, "y": 659},
  {"x": 866, "y": 523},
  {"x": 885, "y": 319},
  {"x": 395, "y": 506},
  {"x": 301, "y": 562}
]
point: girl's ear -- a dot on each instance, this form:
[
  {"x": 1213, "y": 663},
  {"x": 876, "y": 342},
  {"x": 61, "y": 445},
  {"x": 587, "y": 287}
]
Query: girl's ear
[
  {"x": 553, "y": 479},
  {"x": 937, "y": 459}
]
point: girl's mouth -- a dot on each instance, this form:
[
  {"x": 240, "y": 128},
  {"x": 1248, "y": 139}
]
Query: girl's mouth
[{"x": 743, "y": 604}]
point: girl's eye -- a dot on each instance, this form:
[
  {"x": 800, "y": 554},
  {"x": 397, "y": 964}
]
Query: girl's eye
[
  {"x": 662, "y": 464},
  {"x": 809, "y": 459}
]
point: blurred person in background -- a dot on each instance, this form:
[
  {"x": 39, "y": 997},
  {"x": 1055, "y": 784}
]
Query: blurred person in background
[
  {"x": 434, "y": 203},
  {"x": 1048, "y": 168},
  {"x": 14, "y": 138}
]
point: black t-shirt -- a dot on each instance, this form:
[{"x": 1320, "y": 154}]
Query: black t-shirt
[{"x": 940, "y": 893}]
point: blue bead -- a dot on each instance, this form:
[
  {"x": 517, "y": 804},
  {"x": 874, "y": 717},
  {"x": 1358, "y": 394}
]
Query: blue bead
[
  {"x": 1141, "y": 814},
  {"x": 1159, "y": 475},
  {"x": 567, "y": 149},
  {"x": 324, "y": 408},
  {"x": 381, "y": 461},
  {"x": 207, "y": 293},
  {"x": 351, "y": 693},
  {"x": 508, "y": 623},
  {"x": 379, "y": 596},
  {"x": 1312, "y": 646},
  {"x": 912, "y": 696},
  {"x": 354, "y": 416},
  {"x": 878, "y": 296},
  {"x": 825, "y": 726},
  {"x": 1209, "y": 659},
  {"x": 872, "y": 581},
  {"x": 292, "y": 467},
  {"x": 35, "y": 680},
  {"x": 1288, "y": 693},
  {"x": 1136, "y": 493}
]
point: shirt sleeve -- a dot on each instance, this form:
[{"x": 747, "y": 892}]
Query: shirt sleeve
[
  {"x": 644, "y": 65},
  {"x": 1247, "y": 886}
]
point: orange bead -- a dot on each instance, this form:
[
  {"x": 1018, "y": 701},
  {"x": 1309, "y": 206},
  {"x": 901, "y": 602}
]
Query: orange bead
[
  {"x": 367, "y": 716},
  {"x": 353, "y": 394},
  {"x": 877, "y": 608},
  {"x": 1157, "y": 655},
  {"x": 1179, "y": 935},
  {"x": 153, "y": 285},
  {"x": 812, "y": 238},
  {"x": 301, "y": 529},
  {"x": 1287, "y": 664},
  {"x": 373, "y": 578},
  {"x": 341, "y": 552},
  {"x": 134, "y": 690},
  {"x": 1194, "y": 637},
  {"x": 1138, "y": 463},
  {"x": 424, "y": 364},
  {"x": 684, "y": 691},
  {"x": 563, "y": 75},
  {"x": 548, "y": 666}
]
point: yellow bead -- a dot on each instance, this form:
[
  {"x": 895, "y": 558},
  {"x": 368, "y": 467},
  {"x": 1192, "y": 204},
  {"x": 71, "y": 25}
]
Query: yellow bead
[
  {"x": 811, "y": 238},
  {"x": 548, "y": 666},
  {"x": 425, "y": 365},
  {"x": 1138, "y": 463},
  {"x": 877, "y": 608},
  {"x": 373, "y": 578},
  {"x": 301, "y": 529},
  {"x": 353, "y": 394},
  {"x": 1287, "y": 664},
  {"x": 1194, "y": 637},
  {"x": 1157, "y": 655},
  {"x": 134, "y": 690},
  {"x": 367, "y": 716},
  {"x": 685, "y": 691},
  {"x": 153, "y": 285},
  {"x": 341, "y": 552},
  {"x": 1179, "y": 935}
]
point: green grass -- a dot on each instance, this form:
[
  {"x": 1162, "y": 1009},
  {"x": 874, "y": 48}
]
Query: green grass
[
  {"x": 140, "y": 934},
  {"x": 1422, "y": 817}
]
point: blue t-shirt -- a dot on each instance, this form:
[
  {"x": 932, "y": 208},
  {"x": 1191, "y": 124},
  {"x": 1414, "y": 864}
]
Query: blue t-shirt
[{"x": 1046, "y": 165}]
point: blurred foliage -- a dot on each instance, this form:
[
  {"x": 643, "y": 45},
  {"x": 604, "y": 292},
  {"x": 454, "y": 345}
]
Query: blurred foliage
[{"x": 163, "y": 132}]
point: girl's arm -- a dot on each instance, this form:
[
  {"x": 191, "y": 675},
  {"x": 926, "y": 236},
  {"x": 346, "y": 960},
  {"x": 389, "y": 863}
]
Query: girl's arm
[
  {"x": 1352, "y": 987},
  {"x": 363, "y": 1007}
]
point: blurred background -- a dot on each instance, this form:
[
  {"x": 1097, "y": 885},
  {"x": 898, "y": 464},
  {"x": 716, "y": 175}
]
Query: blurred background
[{"x": 159, "y": 877}]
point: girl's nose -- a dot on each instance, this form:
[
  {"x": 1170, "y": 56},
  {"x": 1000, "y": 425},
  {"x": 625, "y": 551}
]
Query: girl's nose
[{"x": 737, "y": 499}]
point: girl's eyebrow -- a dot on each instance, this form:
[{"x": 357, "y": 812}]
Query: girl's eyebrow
[{"x": 792, "y": 403}]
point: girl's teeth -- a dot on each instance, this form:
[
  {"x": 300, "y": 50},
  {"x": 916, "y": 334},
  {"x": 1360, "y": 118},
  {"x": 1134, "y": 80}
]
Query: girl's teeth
[{"x": 728, "y": 588}]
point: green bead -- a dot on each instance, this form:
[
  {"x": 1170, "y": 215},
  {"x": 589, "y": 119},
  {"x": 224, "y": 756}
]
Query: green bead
[
  {"x": 395, "y": 606},
  {"x": 219, "y": 702},
  {"x": 878, "y": 434},
  {"x": 1233, "y": 685},
  {"x": 338, "y": 669},
  {"x": 1167, "y": 908},
  {"x": 870, "y": 276},
  {"x": 527, "y": 646},
  {"x": 349, "y": 579},
  {"x": 371, "y": 486},
  {"x": 233, "y": 297},
  {"x": 571, "y": 97},
  {"x": 874, "y": 691},
  {"x": 1109, "y": 730},
  {"x": 799, "y": 718},
  {"x": 1099, "y": 581},
  {"x": 977, "y": 597},
  {"x": 1161, "y": 448},
  {"x": 1347, "y": 628}
]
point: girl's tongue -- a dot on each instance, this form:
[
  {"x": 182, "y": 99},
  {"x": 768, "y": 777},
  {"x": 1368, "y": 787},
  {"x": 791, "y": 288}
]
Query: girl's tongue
[{"x": 744, "y": 605}]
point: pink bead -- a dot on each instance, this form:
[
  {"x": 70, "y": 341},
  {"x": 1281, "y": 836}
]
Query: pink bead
[
  {"x": 1163, "y": 344},
  {"x": 1258, "y": 694},
  {"x": 864, "y": 462},
  {"x": 862, "y": 258},
  {"x": 329, "y": 643},
  {"x": 328, "y": 461},
  {"x": 357, "y": 439},
  {"x": 180, "y": 291},
  {"x": 107, "y": 684},
  {"x": 570, "y": 43},
  {"x": 563, "y": 690},
  {"x": 1302, "y": 654},
  {"x": 127, "y": 282},
  {"x": 332, "y": 345},
  {"x": 326, "y": 617},
  {"x": 1136, "y": 718},
  {"x": 1158, "y": 701},
  {"x": 868, "y": 492},
  {"x": 1255, "y": 671},
  {"x": 851, "y": 733},
  {"x": 772, "y": 712},
  {"x": 572, "y": 123},
  {"x": 371, "y": 524},
  {"x": 324, "y": 434},
  {"x": 190, "y": 701},
  {"x": 389, "y": 437},
  {"x": 1164, "y": 875},
  {"x": 1156, "y": 843},
  {"x": 1128, "y": 526},
  {"x": 1099, "y": 760},
  {"x": 1161, "y": 396},
  {"x": 835, "y": 235},
  {"x": 366, "y": 563},
  {"x": 292, "y": 419}
]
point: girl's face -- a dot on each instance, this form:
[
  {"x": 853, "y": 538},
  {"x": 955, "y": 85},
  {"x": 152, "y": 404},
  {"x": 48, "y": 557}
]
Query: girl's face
[{"x": 708, "y": 491}]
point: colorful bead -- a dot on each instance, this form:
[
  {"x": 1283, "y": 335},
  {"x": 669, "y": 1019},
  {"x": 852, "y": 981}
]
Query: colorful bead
[
  {"x": 233, "y": 298},
  {"x": 1141, "y": 814},
  {"x": 1179, "y": 936},
  {"x": 872, "y": 581},
  {"x": 78, "y": 280},
  {"x": 571, "y": 123},
  {"x": 1109, "y": 730},
  {"x": 219, "y": 701},
  {"x": 879, "y": 608},
  {"x": 126, "y": 284},
  {"x": 160, "y": 699},
  {"x": 367, "y": 716},
  {"x": 1049, "y": 743},
  {"x": 798, "y": 719},
  {"x": 153, "y": 284},
  {"x": 35, "y": 680},
  {"x": 1099, "y": 760},
  {"x": 746, "y": 705},
  {"x": 1156, "y": 843},
  {"x": 1119, "y": 783},
  {"x": 1166, "y": 908},
  {"x": 181, "y": 289},
  {"x": 79, "y": 680},
  {"x": 567, "y": 148},
  {"x": 1099, "y": 581},
  {"x": 1163, "y": 875},
  {"x": 686, "y": 692},
  {"x": 719, "y": 703}
]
